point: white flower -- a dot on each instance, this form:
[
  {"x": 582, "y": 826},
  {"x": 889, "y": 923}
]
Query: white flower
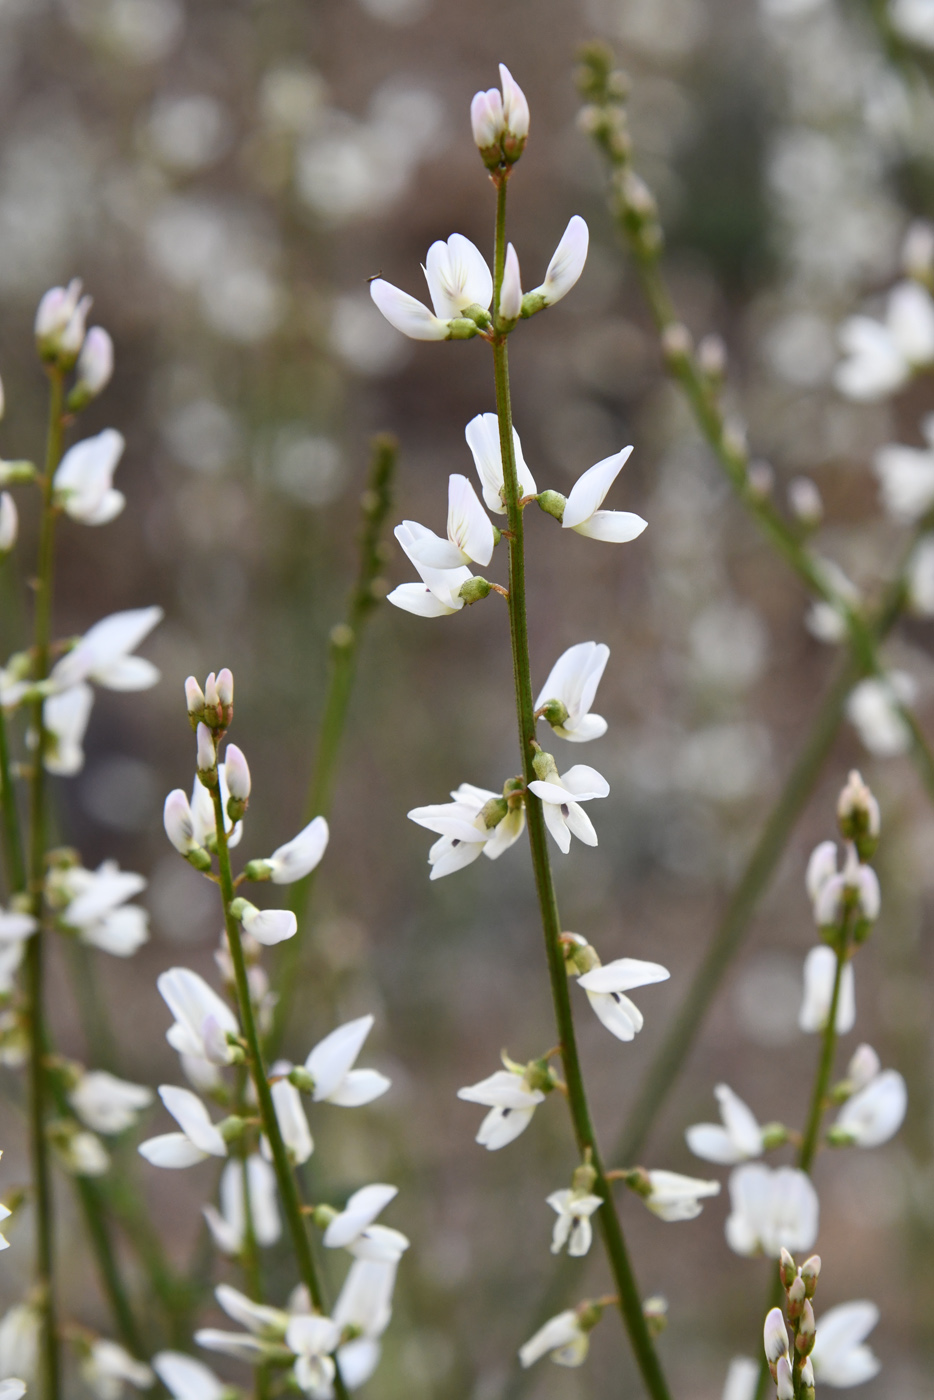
[
  {"x": 511, "y": 1103},
  {"x": 566, "y": 266},
  {"x": 267, "y": 926},
  {"x": 463, "y": 832},
  {"x": 12, "y": 1389},
  {"x": 190, "y": 825},
  {"x": 470, "y": 534},
  {"x": 290, "y": 1115},
  {"x": 103, "y": 654},
  {"x": 741, "y": 1379},
  {"x": 9, "y": 522},
  {"x": 510, "y": 293},
  {"x": 198, "y": 1140},
  {"x": 515, "y": 106},
  {"x": 458, "y": 278},
  {"x": 919, "y": 577},
  {"x": 109, "y": 1366},
  {"x": 299, "y": 857},
  {"x": 676, "y": 1197},
  {"x": 20, "y": 1329},
  {"x": 606, "y": 987},
  {"x": 563, "y": 1337},
  {"x": 81, "y": 1153},
  {"x": 11, "y": 955},
  {"x": 97, "y": 907},
  {"x": 573, "y": 1227},
  {"x": 874, "y": 1113},
  {"x": 264, "y": 1325},
  {"x": 438, "y": 594},
  {"x": 83, "y": 484},
  {"x": 573, "y": 682},
  {"x": 228, "y": 1225},
  {"x": 841, "y": 1356},
  {"x": 771, "y": 1210},
  {"x": 353, "y": 1229},
  {"x": 820, "y": 970},
  {"x": 561, "y": 798},
  {"x": 203, "y": 1021},
  {"x": 914, "y": 20},
  {"x": 582, "y": 511},
  {"x": 906, "y": 476},
  {"x": 16, "y": 926},
  {"x": 65, "y": 720},
  {"x": 95, "y": 367},
  {"x": 108, "y": 1104},
  {"x": 364, "y": 1303},
  {"x": 187, "y": 1379},
  {"x": 330, "y": 1065},
  {"x": 828, "y": 887},
  {"x": 881, "y": 357},
  {"x": 874, "y": 708},
  {"x": 739, "y": 1138},
  {"x": 312, "y": 1339},
  {"x": 863, "y": 1067},
  {"x": 482, "y": 434}
]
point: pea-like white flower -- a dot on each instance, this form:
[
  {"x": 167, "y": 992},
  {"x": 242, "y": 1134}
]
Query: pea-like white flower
[
  {"x": 606, "y": 987},
  {"x": 582, "y": 511},
  {"x": 820, "y": 969},
  {"x": 511, "y": 1103},
  {"x": 775, "y": 1336},
  {"x": 354, "y": 1229},
  {"x": 60, "y": 320},
  {"x": 16, "y": 926},
  {"x": 80, "y": 1152},
  {"x": 469, "y": 532},
  {"x": 827, "y": 886},
  {"x": 65, "y": 719},
  {"x": 265, "y": 1326},
  {"x": 675, "y": 1197},
  {"x": 313, "y": 1339},
  {"x": 562, "y": 1338},
  {"x": 573, "y": 1227},
  {"x": 192, "y": 824},
  {"x": 364, "y": 1304},
  {"x": 97, "y": 908},
  {"x": 20, "y": 1330},
  {"x": 300, "y": 856},
  {"x": 203, "y": 1021},
  {"x": 874, "y": 709},
  {"x": 290, "y": 1115},
  {"x": 906, "y": 476},
  {"x": 742, "y": 1378},
  {"x": 874, "y": 1113},
  {"x": 561, "y": 798},
  {"x": 880, "y": 357},
  {"x": 331, "y": 1066},
  {"x": 9, "y": 522},
  {"x": 841, "y": 1356},
  {"x": 267, "y": 926},
  {"x": 565, "y": 268},
  {"x": 198, "y": 1139},
  {"x": 104, "y": 654},
  {"x": 771, "y": 1210},
  {"x": 482, "y": 434},
  {"x": 95, "y": 368},
  {"x": 458, "y": 279},
  {"x": 187, "y": 1379},
  {"x": 572, "y": 683},
  {"x": 738, "y": 1138},
  {"x": 107, "y": 1104},
  {"x": 83, "y": 483},
  {"x": 463, "y": 831},
  {"x": 108, "y": 1367},
  {"x": 228, "y": 1225},
  {"x": 438, "y": 594}
]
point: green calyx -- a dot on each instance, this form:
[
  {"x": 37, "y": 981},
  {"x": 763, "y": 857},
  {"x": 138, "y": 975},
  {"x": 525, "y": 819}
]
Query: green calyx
[
  {"x": 552, "y": 503},
  {"x": 555, "y": 711},
  {"x": 532, "y": 303},
  {"x": 493, "y": 811},
  {"x": 474, "y": 590}
]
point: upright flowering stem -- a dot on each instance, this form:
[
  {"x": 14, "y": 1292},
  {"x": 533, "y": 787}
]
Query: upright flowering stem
[
  {"x": 285, "y": 1177},
  {"x": 630, "y": 1302},
  {"x": 41, "y": 1174}
]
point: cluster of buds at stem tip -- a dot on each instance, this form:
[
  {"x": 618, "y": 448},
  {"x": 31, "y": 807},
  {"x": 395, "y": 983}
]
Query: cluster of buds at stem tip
[
  {"x": 212, "y": 706},
  {"x": 500, "y": 122},
  {"x": 858, "y": 816},
  {"x": 791, "y": 1367}
]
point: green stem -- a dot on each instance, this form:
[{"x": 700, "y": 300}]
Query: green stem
[
  {"x": 13, "y": 860},
  {"x": 285, "y": 1176},
  {"x": 344, "y": 649},
  {"x": 630, "y": 1302}
]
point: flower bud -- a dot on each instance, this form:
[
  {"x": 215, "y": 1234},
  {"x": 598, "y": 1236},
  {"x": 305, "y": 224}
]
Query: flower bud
[
  {"x": 488, "y": 123},
  {"x": 711, "y": 358},
  {"x": 194, "y": 699},
  {"x": 474, "y": 590},
  {"x": 805, "y": 502},
  {"x": 9, "y": 522},
  {"x": 211, "y": 698},
  {"x": 225, "y": 687},
  {"x": 807, "y": 1330},
  {"x": 810, "y": 1272},
  {"x": 677, "y": 343},
  {"x": 176, "y": 818},
  {"x": 760, "y": 478},
  {"x": 787, "y": 1269},
  {"x": 858, "y": 816},
  {"x": 59, "y": 324},
  {"x": 510, "y": 297},
  {"x": 95, "y": 368},
  {"x": 238, "y": 775},
  {"x": 516, "y": 117},
  {"x": 784, "y": 1380},
  {"x": 207, "y": 756},
  {"x": 552, "y": 503},
  {"x": 796, "y": 1297},
  {"x": 655, "y": 1312},
  {"x": 775, "y": 1336}
]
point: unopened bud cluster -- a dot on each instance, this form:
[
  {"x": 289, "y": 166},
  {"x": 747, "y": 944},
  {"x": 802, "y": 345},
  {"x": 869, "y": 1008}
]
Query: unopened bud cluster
[{"x": 789, "y": 1364}]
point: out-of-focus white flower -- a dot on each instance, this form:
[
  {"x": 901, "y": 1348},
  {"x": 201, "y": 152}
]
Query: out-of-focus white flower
[
  {"x": 187, "y": 1379},
  {"x": 582, "y": 511},
  {"x": 267, "y": 926},
  {"x": 805, "y": 501},
  {"x": 510, "y": 294},
  {"x": 15, "y": 926},
  {"x": 676, "y": 1197},
  {"x": 108, "y": 1104},
  {"x": 874, "y": 708},
  {"x": 103, "y": 655},
  {"x": 827, "y": 621},
  {"x": 198, "y": 1140},
  {"x": 83, "y": 484},
  {"x": 9, "y": 522},
  {"x": 463, "y": 831},
  {"x": 60, "y": 320},
  {"x": 94, "y": 369},
  {"x": 827, "y": 887},
  {"x": 573, "y": 1227},
  {"x": 874, "y": 1113},
  {"x": 906, "y": 476},
  {"x": 203, "y": 1021},
  {"x": 65, "y": 719},
  {"x": 12, "y": 1389},
  {"x": 561, "y": 798},
  {"x": 913, "y": 20},
  {"x": 81, "y": 1153},
  {"x": 919, "y": 578},
  {"x": 20, "y": 1330},
  {"x": 458, "y": 278},
  {"x": 331, "y": 1062},
  {"x": 5, "y": 1214},
  {"x": 438, "y": 594},
  {"x": 606, "y": 987},
  {"x": 97, "y": 907},
  {"x": 511, "y": 1103},
  {"x": 772, "y": 1210},
  {"x": 881, "y": 356},
  {"x": 470, "y": 534},
  {"x": 739, "y": 1137},
  {"x": 573, "y": 682},
  {"x": 264, "y": 1325},
  {"x": 313, "y": 1339},
  {"x": 108, "y": 1367},
  {"x": 290, "y": 1115},
  {"x": 365, "y": 1304},
  {"x": 353, "y": 1229},
  {"x": 228, "y": 1225},
  {"x": 562, "y": 1337},
  {"x": 565, "y": 268},
  {"x": 741, "y": 1379},
  {"x": 482, "y": 434},
  {"x": 820, "y": 970},
  {"x": 841, "y": 1356},
  {"x": 863, "y": 1067}
]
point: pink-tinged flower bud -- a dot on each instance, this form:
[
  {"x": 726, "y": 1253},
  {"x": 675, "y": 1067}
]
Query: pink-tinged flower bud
[
  {"x": 807, "y": 1330},
  {"x": 238, "y": 773},
  {"x": 515, "y": 109},
  {"x": 194, "y": 696},
  {"x": 9, "y": 522},
  {"x": 207, "y": 758},
  {"x": 510, "y": 297},
  {"x": 805, "y": 501},
  {"x": 486, "y": 119},
  {"x": 775, "y": 1336},
  {"x": 784, "y": 1380},
  {"x": 786, "y": 1268},
  {"x": 55, "y": 311},
  {"x": 176, "y": 817},
  {"x": 95, "y": 368},
  {"x": 225, "y": 687},
  {"x": 211, "y": 697}
]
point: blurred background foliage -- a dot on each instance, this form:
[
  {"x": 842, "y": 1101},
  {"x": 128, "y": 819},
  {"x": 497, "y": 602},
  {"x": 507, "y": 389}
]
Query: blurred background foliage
[{"x": 225, "y": 175}]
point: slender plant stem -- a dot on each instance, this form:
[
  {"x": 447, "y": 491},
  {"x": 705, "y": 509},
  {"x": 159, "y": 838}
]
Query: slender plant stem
[
  {"x": 344, "y": 650},
  {"x": 630, "y": 1302},
  {"x": 285, "y": 1176}
]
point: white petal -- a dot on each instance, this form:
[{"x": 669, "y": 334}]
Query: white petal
[
  {"x": 333, "y": 1056},
  {"x": 822, "y": 866},
  {"x": 431, "y": 550},
  {"x": 557, "y": 1332},
  {"x": 365, "y": 1301},
  {"x": 186, "y": 1378},
  {"x": 510, "y": 296},
  {"x": 910, "y": 321},
  {"x": 612, "y": 526},
  {"x": 300, "y": 856},
  {"x": 359, "y": 1212},
  {"x": 469, "y": 526},
  {"x": 503, "y": 1089},
  {"x": 574, "y": 679},
  {"x": 482, "y": 434},
  {"x": 875, "y": 1114},
  {"x": 360, "y": 1086},
  {"x": 270, "y": 926},
  {"x": 291, "y": 1118},
  {"x": 742, "y": 1379},
  {"x": 839, "y": 1357},
  {"x": 515, "y": 105},
  {"x": 502, "y": 1126},
  {"x": 567, "y": 262},
  {"x": 457, "y": 276},
  {"x": 713, "y": 1143},
  {"x": 585, "y": 783},
  {"x": 418, "y": 599},
  {"x": 622, "y": 975},
  {"x": 379, "y": 1242},
  {"x": 240, "y": 1345},
  {"x": 556, "y": 824},
  {"x": 448, "y": 855},
  {"x": 193, "y": 1118},
  {"x": 258, "y": 1318},
  {"x": 588, "y": 492},
  {"x": 620, "y": 1016},
  {"x": 409, "y": 316},
  {"x": 171, "y": 1150},
  {"x": 357, "y": 1360},
  {"x": 740, "y": 1121},
  {"x": 875, "y": 367}
]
